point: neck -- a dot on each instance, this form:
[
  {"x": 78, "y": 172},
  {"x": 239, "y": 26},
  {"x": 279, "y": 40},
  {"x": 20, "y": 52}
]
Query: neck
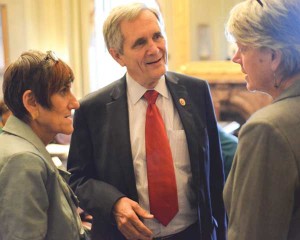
[
  {"x": 284, "y": 84},
  {"x": 41, "y": 133},
  {"x": 149, "y": 83}
]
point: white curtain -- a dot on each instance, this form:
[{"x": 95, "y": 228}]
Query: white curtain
[{"x": 63, "y": 26}]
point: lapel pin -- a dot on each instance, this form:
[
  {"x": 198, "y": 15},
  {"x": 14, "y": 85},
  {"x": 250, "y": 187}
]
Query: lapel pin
[{"x": 182, "y": 101}]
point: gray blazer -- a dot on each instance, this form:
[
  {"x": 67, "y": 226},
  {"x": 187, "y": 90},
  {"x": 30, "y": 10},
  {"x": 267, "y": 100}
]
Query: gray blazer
[
  {"x": 35, "y": 202},
  {"x": 262, "y": 192}
]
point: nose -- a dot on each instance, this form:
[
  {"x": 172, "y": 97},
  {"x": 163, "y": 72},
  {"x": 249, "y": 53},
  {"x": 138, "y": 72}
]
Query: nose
[
  {"x": 153, "y": 48},
  {"x": 237, "y": 57},
  {"x": 74, "y": 104}
]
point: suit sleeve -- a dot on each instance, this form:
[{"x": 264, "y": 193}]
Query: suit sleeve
[{"x": 96, "y": 197}]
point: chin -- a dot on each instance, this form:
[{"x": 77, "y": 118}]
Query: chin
[
  {"x": 161, "y": 72},
  {"x": 156, "y": 77},
  {"x": 250, "y": 88},
  {"x": 67, "y": 131}
]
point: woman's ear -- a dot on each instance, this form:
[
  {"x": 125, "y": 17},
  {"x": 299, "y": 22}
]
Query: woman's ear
[
  {"x": 276, "y": 59},
  {"x": 30, "y": 104}
]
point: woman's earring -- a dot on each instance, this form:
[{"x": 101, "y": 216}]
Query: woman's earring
[{"x": 276, "y": 85}]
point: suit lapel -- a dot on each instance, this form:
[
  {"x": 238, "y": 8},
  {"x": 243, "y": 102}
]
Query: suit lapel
[
  {"x": 118, "y": 119},
  {"x": 195, "y": 136},
  {"x": 185, "y": 111}
]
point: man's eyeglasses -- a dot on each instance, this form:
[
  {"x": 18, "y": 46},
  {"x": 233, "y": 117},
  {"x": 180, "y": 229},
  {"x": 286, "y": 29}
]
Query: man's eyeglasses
[
  {"x": 51, "y": 55},
  {"x": 260, "y": 3}
]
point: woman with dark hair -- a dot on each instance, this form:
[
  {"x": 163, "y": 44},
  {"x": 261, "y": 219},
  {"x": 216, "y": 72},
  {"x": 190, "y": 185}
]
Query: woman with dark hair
[
  {"x": 262, "y": 192},
  {"x": 36, "y": 202}
]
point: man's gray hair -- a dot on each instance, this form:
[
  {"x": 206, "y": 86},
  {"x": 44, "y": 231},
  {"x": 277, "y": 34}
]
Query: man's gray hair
[{"x": 112, "y": 26}]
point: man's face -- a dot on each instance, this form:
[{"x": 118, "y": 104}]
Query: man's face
[{"x": 144, "y": 49}]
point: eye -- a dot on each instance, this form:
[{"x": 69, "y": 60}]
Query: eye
[
  {"x": 243, "y": 48},
  {"x": 157, "y": 36},
  {"x": 65, "y": 89},
  {"x": 139, "y": 42}
]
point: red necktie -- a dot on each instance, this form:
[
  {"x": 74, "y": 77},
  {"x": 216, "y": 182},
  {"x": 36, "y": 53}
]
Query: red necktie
[{"x": 160, "y": 169}]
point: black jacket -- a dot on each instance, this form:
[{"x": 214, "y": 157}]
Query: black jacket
[{"x": 101, "y": 163}]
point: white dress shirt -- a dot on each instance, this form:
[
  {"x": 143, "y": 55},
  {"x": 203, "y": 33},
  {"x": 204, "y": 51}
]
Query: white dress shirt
[{"x": 137, "y": 107}]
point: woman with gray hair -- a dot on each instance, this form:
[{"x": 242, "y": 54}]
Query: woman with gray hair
[{"x": 262, "y": 193}]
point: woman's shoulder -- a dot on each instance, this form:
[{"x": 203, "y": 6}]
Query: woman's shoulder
[
  {"x": 23, "y": 156},
  {"x": 12, "y": 144},
  {"x": 284, "y": 114},
  {"x": 279, "y": 118}
]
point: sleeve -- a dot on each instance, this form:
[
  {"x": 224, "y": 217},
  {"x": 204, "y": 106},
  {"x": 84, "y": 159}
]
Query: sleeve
[
  {"x": 216, "y": 174},
  {"x": 24, "y": 199},
  {"x": 228, "y": 145},
  {"x": 95, "y": 196},
  {"x": 261, "y": 184}
]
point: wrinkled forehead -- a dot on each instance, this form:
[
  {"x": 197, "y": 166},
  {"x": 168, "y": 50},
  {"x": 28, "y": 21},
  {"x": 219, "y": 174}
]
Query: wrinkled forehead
[{"x": 144, "y": 22}]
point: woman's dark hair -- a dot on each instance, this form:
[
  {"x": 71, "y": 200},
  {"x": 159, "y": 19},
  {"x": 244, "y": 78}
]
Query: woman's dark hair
[{"x": 42, "y": 73}]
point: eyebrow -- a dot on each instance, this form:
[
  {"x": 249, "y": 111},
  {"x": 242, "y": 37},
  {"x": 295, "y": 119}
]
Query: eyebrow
[
  {"x": 143, "y": 39},
  {"x": 138, "y": 41}
]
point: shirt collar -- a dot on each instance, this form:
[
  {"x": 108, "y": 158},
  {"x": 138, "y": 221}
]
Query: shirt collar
[{"x": 136, "y": 91}]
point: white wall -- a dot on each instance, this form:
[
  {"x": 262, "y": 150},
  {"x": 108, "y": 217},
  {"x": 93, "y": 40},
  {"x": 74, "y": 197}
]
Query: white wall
[
  {"x": 213, "y": 13},
  {"x": 182, "y": 18}
]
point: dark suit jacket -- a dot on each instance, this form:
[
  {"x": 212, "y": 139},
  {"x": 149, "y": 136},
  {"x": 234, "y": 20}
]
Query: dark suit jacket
[{"x": 101, "y": 163}]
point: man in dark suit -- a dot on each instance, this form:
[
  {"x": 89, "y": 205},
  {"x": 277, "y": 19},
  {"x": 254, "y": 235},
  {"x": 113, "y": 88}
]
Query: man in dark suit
[{"x": 108, "y": 157}]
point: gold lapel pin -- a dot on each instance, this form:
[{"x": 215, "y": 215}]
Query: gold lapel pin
[{"x": 182, "y": 101}]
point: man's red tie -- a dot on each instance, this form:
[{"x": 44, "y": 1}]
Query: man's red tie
[{"x": 160, "y": 169}]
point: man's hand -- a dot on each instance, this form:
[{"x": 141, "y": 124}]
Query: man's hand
[{"x": 127, "y": 213}]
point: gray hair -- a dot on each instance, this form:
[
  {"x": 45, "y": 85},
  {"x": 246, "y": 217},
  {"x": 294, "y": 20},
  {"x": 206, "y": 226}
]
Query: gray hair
[
  {"x": 111, "y": 28},
  {"x": 273, "y": 24}
]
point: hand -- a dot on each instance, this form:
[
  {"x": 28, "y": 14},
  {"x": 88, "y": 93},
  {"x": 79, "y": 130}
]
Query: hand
[{"x": 127, "y": 213}]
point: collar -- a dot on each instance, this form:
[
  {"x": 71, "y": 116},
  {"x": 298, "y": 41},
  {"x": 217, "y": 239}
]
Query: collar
[
  {"x": 291, "y": 91},
  {"x": 19, "y": 128},
  {"x": 136, "y": 91}
]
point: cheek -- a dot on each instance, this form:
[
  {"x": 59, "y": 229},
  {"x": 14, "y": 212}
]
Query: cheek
[
  {"x": 252, "y": 64},
  {"x": 261, "y": 60}
]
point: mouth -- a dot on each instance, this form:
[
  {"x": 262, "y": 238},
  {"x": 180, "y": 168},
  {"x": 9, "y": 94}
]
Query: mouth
[{"x": 148, "y": 63}]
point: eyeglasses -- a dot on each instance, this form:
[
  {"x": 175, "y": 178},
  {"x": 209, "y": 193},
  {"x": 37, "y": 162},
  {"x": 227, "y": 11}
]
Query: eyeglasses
[
  {"x": 260, "y": 3},
  {"x": 51, "y": 55}
]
